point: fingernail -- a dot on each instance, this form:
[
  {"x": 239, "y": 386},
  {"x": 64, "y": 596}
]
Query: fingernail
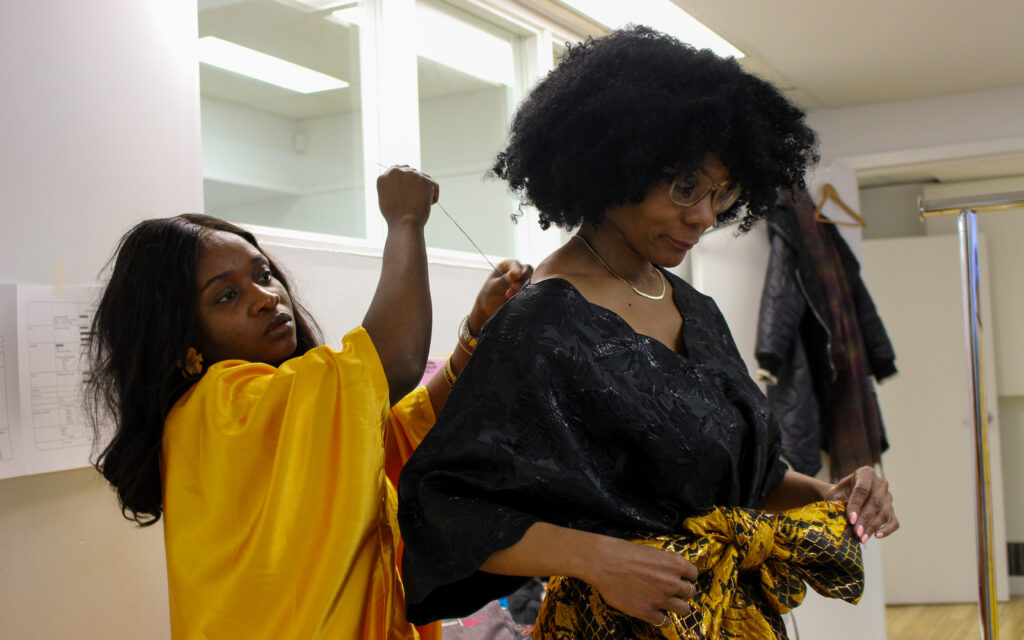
[
  {"x": 853, "y": 517},
  {"x": 864, "y": 539},
  {"x": 860, "y": 531},
  {"x": 879, "y": 534}
]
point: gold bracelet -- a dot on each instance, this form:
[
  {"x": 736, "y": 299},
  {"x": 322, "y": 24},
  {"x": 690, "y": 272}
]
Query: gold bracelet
[
  {"x": 449, "y": 376},
  {"x": 467, "y": 339},
  {"x": 465, "y": 349}
]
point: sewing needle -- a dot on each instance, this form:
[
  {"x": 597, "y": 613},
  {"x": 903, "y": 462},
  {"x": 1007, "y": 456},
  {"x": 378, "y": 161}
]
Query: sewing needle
[{"x": 459, "y": 227}]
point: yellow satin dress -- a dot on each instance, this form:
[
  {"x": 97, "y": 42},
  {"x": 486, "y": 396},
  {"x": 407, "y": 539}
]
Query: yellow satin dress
[{"x": 279, "y": 500}]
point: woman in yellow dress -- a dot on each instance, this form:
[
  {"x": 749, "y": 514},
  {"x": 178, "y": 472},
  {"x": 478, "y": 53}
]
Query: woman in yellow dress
[{"x": 272, "y": 458}]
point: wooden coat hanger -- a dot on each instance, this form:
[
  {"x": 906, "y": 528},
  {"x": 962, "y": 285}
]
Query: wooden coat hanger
[{"x": 828, "y": 192}]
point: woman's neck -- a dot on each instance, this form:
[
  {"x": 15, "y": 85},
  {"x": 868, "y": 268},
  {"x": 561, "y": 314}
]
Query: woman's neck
[{"x": 611, "y": 246}]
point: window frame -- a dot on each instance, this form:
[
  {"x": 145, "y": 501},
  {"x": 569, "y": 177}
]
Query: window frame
[{"x": 390, "y": 113}]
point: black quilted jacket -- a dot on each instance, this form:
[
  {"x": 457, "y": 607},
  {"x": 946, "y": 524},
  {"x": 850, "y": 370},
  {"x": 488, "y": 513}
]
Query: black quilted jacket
[{"x": 793, "y": 341}]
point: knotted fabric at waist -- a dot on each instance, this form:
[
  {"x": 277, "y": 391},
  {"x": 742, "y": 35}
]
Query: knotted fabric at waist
[{"x": 752, "y": 566}]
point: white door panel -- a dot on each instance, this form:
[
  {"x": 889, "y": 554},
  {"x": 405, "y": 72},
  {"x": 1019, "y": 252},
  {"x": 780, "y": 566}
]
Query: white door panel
[{"x": 916, "y": 285}]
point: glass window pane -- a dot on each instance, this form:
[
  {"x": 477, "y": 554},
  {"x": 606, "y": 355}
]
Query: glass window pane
[
  {"x": 281, "y": 149},
  {"x": 468, "y": 74}
]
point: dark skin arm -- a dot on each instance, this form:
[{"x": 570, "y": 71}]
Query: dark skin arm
[
  {"x": 399, "y": 317},
  {"x": 640, "y": 581}
]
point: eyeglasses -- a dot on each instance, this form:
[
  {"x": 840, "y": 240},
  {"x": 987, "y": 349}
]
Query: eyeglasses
[{"x": 689, "y": 191}]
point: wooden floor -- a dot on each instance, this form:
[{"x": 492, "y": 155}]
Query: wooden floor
[{"x": 952, "y": 621}]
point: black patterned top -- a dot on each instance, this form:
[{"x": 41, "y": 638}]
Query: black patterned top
[{"x": 566, "y": 415}]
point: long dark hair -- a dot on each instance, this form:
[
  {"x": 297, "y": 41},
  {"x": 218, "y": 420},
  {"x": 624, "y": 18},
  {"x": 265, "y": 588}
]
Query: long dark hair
[{"x": 141, "y": 333}]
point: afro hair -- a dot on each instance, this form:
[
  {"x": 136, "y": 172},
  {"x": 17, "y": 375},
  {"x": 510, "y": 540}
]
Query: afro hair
[{"x": 618, "y": 111}]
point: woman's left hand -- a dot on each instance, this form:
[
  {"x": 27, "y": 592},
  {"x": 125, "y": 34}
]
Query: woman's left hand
[
  {"x": 869, "y": 503},
  {"x": 504, "y": 282}
]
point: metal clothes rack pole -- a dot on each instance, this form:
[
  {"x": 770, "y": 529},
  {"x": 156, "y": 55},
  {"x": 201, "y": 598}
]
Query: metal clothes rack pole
[{"x": 967, "y": 210}]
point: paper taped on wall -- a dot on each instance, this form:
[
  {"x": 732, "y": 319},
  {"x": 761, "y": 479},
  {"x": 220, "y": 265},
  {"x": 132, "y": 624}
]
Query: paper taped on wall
[{"x": 43, "y": 337}]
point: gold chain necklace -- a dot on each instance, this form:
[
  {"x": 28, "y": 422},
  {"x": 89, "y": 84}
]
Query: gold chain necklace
[{"x": 664, "y": 285}]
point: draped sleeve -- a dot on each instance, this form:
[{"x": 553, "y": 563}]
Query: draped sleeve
[
  {"x": 278, "y": 519},
  {"x": 407, "y": 424},
  {"x": 468, "y": 494}
]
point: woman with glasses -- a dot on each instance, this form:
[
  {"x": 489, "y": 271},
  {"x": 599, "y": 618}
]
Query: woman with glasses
[{"x": 607, "y": 403}]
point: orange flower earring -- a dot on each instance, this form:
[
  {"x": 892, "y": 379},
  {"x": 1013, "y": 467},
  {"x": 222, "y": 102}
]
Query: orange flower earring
[{"x": 193, "y": 364}]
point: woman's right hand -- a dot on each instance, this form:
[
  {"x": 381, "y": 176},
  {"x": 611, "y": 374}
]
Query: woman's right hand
[
  {"x": 642, "y": 581},
  {"x": 502, "y": 283},
  {"x": 404, "y": 192},
  {"x": 638, "y": 580}
]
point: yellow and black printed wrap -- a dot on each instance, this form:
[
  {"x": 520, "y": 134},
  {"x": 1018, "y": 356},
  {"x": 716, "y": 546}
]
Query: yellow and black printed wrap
[{"x": 752, "y": 566}]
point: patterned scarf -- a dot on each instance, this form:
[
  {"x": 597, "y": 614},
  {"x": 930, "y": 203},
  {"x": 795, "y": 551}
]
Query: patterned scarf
[{"x": 752, "y": 568}]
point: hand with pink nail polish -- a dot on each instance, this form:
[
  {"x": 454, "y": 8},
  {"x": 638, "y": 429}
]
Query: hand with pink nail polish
[{"x": 868, "y": 503}]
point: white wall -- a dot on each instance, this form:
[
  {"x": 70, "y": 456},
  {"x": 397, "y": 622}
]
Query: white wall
[
  {"x": 1011, "y": 418},
  {"x": 100, "y": 122},
  {"x": 1004, "y": 231},
  {"x": 891, "y": 211},
  {"x": 337, "y": 285},
  {"x": 918, "y": 124},
  {"x": 915, "y": 284},
  {"x": 98, "y": 132},
  {"x": 100, "y": 129}
]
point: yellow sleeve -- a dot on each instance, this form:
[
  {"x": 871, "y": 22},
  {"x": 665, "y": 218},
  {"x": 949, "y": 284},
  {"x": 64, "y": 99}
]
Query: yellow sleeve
[
  {"x": 277, "y": 518},
  {"x": 409, "y": 421}
]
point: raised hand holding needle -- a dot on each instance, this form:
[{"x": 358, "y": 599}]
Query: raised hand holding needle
[{"x": 459, "y": 227}]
